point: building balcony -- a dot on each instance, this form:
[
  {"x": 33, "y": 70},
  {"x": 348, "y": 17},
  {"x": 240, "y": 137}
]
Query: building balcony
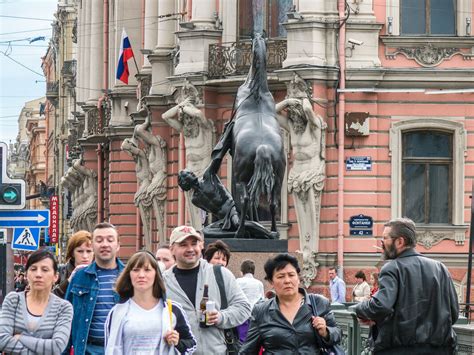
[
  {"x": 234, "y": 58},
  {"x": 52, "y": 90}
]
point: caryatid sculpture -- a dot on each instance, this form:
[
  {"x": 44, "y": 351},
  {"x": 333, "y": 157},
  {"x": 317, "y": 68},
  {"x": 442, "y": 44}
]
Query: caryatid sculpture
[
  {"x": 307, "y": 174},
  {"x": 155, "y": 149},
  {"x": 198, "y": 132},
  {"x": 82, "y": 183}
]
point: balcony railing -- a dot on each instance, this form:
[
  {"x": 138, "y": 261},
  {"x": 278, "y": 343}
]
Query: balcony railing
[
  {"x": 52, "y": 90},
  {"x": 69, "y": 68},
  {"x": 234, "y": 58}
]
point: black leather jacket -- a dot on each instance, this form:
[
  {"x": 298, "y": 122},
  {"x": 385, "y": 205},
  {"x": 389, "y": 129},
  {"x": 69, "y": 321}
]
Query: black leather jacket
[
  {"x": 414, "y": 308},
  {"x": 270, "y": 329}
]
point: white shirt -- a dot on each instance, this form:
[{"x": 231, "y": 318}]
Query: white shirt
[
  {"x": 252, "y": 288},
  {"x": 142, "y": 330}
]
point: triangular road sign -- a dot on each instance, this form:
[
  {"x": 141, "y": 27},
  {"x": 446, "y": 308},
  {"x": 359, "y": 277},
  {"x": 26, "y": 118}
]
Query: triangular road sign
[{"x": 26, "y": 238}]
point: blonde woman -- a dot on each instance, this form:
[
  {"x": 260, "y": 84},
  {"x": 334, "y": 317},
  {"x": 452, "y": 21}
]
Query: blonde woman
[{"x": 146, "y": 323}]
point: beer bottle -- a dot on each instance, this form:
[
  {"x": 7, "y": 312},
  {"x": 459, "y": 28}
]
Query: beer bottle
[{"x": 202, "y": 307}]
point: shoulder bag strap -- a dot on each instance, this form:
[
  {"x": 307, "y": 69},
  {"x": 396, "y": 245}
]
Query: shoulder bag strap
[{"x": 220, "y": 284}]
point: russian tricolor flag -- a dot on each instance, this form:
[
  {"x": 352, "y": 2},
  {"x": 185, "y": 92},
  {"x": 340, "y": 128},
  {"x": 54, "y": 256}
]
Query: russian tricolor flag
[{"x": 126, "y": 53}]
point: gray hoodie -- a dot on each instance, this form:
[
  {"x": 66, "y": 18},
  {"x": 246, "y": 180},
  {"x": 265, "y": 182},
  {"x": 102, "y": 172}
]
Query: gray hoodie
[{"x": 210, "y": 340}]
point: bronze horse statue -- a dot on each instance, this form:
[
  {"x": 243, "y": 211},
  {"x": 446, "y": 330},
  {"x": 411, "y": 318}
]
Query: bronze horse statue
[
  {"x": 253, "y": 138},
  {"x": 258, "y": 164}
]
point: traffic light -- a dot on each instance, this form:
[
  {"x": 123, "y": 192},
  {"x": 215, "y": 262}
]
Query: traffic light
[{"x": 12, "y": 191}]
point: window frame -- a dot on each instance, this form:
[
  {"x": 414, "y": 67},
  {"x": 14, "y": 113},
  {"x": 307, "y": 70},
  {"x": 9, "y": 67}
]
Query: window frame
[
  {"x": 427, "y": 161},
  {"x": 463, "y": 10},
  {"x": 427, "y": 32}
]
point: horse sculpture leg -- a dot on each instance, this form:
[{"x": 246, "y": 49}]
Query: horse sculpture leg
[{"x": 244, "y": 200}]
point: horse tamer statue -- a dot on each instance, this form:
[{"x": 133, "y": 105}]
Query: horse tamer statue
[{"x": 252, "y": 137}]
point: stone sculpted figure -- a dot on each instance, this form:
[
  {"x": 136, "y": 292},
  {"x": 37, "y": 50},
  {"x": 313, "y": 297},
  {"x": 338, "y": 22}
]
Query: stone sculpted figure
[
  {"x": 155, "y": 149},
  {"x": 142, "y": 199},
  {"x": 198, "y": 132},
  {"x": 307, "y": 174},
  {"x": 88, "y": 213}
]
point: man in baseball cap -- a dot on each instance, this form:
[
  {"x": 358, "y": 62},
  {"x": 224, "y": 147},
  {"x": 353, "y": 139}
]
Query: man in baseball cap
[{"x": 185, "y": 285}]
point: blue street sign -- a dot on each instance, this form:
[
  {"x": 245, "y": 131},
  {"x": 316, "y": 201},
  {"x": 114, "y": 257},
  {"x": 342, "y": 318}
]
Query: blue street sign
[
  {"x": 26, "y": 239},
  {"x": 359, "y": 164},
  {"x": 24, "y": 218},
  {"x": 360, "y": 221},
  {"x": 360, "y": 232}
]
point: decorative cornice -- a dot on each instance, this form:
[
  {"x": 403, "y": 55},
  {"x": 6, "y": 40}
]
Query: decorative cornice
[{"x": 428, "y": 55}]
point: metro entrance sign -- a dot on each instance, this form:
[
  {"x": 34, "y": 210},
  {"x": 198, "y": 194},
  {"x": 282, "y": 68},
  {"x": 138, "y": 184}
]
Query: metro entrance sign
[{"x": 25, "y": 218}]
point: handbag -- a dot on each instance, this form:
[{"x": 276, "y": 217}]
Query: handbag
[
  {"x": 334, "y": 349},
  {"x": 231, "y": 335}
]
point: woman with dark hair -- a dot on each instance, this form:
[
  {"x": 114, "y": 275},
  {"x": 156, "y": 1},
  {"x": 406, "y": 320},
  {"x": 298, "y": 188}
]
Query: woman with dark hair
[
  {"x": 79, "y": 254},
  {"x": 36, "y": 321},
  {"x": 361, "y": 291},
  {"x": 146, "y": 322},
  {"x": 293, "y": 321},
  {"x": 217, "y": 253},
  {"x": 374, "y": 280}
]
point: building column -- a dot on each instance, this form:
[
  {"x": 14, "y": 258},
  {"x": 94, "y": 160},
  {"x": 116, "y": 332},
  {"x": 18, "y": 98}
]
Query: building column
[
  {"x": 95, "y": 70},
  {"x": 162, "y": 57},
  {"x": 311, "y": 39},
  {"x": 86, "y": 55},
  {"x": 151, "y": 28},
  {"x": 194, "y": 43},
  {"x": 79, "y": 53}
]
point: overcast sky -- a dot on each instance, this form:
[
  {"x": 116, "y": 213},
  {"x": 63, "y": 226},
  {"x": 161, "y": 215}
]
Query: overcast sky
[{"x": 19, "y": 84}]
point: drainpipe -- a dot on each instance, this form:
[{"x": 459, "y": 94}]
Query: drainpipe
[
  {"x": 340, "y": 124},
  {"x": 105, "y": 86},
  {"x": 181, "y": 165}
]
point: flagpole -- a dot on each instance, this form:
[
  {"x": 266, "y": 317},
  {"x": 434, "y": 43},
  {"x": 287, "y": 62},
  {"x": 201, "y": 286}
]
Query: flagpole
[{"x": 136, "y": 65}]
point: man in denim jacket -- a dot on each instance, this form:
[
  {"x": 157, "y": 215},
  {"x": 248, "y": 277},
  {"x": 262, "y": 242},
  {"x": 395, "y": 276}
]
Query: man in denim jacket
[{"x": 91, "y": 292}]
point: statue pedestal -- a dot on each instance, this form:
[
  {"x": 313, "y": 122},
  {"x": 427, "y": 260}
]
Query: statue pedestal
[{"x": 253, "y": 245}]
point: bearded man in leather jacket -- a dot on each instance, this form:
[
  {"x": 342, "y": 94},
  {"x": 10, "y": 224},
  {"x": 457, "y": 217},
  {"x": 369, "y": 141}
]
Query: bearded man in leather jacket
[{"x": 416, "y": 304}]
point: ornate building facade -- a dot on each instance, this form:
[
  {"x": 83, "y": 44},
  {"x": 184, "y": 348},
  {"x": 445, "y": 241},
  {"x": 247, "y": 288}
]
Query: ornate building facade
[{"x": 386, "y": 90}]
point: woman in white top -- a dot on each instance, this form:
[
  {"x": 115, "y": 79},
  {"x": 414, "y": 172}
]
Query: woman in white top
[
  {"x": 146, "y": 323},
  {"x": 361, "y": 291}
]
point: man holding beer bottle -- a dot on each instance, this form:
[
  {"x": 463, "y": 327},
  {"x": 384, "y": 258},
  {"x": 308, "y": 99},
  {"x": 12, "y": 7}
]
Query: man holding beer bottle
[{"x": 192, "y": 283}]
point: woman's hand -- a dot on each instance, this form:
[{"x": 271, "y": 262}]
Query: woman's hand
[
  {"x": 172, "y": 337},
  {"x": 319, "y": 323}
]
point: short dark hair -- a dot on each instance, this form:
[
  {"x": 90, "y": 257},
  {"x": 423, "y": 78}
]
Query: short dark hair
[
  {"x": 333, "y": 268},
  {"x": 279, "y": 262},
  {"x": 404, "y": 228},
  {"x": 104, "y": 225},
  {"x": 360, "y": 275},
  {"x": 217, "y": 246},
  {"x": 141, "y": 258},
  {"x": 247, "y": 267},
  {"x": 39, "y": 255}
]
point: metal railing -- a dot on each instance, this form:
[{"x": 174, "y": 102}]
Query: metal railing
[
  {"x": 234, "y": 58},
  {"x": 355, "y": 339},
  {"x": 52, "y": 89}
]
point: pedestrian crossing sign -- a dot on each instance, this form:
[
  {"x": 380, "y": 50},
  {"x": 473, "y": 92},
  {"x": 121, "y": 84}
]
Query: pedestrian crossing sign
[{"x": 26, "y": 239}]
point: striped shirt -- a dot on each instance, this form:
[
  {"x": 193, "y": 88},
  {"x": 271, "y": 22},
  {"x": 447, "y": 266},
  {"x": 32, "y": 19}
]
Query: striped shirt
[
  {"x": 105, "y": 302},
  {"x": 49, "y": 337}
]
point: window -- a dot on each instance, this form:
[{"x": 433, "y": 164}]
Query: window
[
  {"x": 427, "y": 176},
  {"x": 428, "y": 17},
  {"x": 263, "y": 16}
]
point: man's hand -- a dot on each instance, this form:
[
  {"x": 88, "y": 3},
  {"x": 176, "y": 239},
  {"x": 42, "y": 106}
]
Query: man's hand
[
  {"x": 78, "y": 267},
  {"x": 213, "y": 317},
  {"x": 365, "y": 321},
  {"x": 172, "y": 337},
  {"x": 319, "y": 323}
]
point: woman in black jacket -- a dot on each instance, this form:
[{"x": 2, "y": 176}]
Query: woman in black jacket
[{"x": 285, "y": 324}]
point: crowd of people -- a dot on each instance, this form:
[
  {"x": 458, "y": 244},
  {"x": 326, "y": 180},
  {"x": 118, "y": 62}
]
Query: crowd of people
[{"x": 184, "y": 300}]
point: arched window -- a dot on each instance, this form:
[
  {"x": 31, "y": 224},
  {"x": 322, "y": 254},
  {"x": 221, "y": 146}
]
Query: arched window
[{"x": 427, "y": 163}]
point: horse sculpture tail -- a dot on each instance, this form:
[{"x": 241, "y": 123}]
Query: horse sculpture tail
[{"x": 263, "y": 178}]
